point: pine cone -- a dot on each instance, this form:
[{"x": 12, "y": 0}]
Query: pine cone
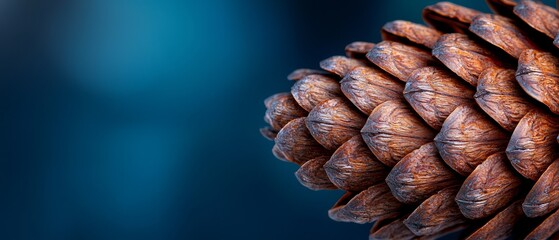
[{"x": 448, "y": 127}]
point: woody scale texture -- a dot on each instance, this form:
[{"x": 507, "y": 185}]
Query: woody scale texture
[{"x": 448, "y": 127}]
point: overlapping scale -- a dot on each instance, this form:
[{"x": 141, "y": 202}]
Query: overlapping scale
[{"x": 466, "y": 92}]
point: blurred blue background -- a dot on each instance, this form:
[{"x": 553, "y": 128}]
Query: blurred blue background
[{"x": 139, "y": 119}]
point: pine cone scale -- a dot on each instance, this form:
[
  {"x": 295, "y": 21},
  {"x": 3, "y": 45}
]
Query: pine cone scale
[{"x": 434, "y": 129}]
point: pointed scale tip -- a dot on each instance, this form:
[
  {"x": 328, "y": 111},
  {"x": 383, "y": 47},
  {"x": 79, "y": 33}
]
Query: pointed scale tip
[
  {"x": 531, "y": 148},
  {"x": 419, "y": 175},
  {"x": 543, "y": 198},
  {"x": 296, "y": 144},
  {"x": 312, "y": 175},
  {"x": 282, "y": 108},
  {"x": 353, "y": 167},
  {"x": 368, "y": 87},
  {"x": 490, "y": 187},
  {"x": 314, "y": 89},
  {"x": 436, "y": 214},
  {"x": 468, "y": 137},
  {"x": 340, "y": 65},
  {"x": 393, "y": 130},
  {"x": 408, "y": 32},
  {"x": 333, "y": 122},
  {"x": 369, "y": 205}
]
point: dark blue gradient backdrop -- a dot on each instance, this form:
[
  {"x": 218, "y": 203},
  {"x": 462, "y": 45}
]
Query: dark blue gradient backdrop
[{"x": 139, "y": 119}]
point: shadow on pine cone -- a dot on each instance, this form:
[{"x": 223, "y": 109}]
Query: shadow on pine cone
[{"x": 435, "y": 130}]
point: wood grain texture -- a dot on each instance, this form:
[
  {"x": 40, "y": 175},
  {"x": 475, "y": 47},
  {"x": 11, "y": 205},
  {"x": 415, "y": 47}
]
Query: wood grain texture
[
  {"x": 501, "y": 97},
  {"x": 489, "y": 188},
  {"x": 548, "y": 229},
  {"x": 303, "y": 72},
  {"x": 419, "y": 175},
  {"x": 358, "y": 49},
  {"x": 396, "y": 229},
  {"x": 468, "y": 137},
  {"x": 295, "y": 143},
  {"x": 532, "y": 146},
  {"x": 543, "y": 198},
  {"x": 434, "y": 92},
  {"x": 399, "y": 59},
  {"x": 314, "y": 89},
  {"x": 540, "y": 17},
  {"x": 334, "y": 122},
  {"x": 436, "y": 214},
  {"x": 538, "y": 75},
  {"x": 313, "y": 176},
  {"x": 393, "y": 130},
  {"x": 371, "y": 204},
  {"x": 368, "y": 87},
  {"x": 449, "y": 17},
  {"x": 340, "y": 65},
  {"x": 280, "y": 109},
  {"x": 353, "y": 167},
  {"x": 501, "y": 226},
  {"x": 408, "y": 32},
  {"x": 393, "y": 230},
  {"x": 503, "y": 33},
  {"x": 466, "y": 57}
]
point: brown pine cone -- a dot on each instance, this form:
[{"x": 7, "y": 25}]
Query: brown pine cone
[{"x": 453, "y": 126}]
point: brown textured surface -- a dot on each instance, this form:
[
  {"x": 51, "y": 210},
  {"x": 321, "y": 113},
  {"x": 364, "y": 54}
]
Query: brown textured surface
[
  {"x": 532, "y": 146},
  {"x": 403, "y": 136},
  {"x": 393, "y": 230},
  {"x": 503, "y": 33},
  {"x": 434, "y": 93},
  {"x": 380, "y": 223},
  {"x": 358, "y": 49},
  {"x": 340, "y": 65},
  {"x": 399, "y": 59},
  {"x": 501, "y": 97},
  {"x": 295, "y": 143},
  {"x": 278, "y": 153},
  {"x": 502, "y": 7},
  {"x": 489, "y": 188},
  {"x": 353, "y": 167},
  {"x": 282, "y": 108},
  {"x": 373, "y": 203},
  {"x": 449, "y": 17},
  {"x": 396, "y": 229},
  {"x": 548, "y": 229},
  {"x": 393, "y": 130},
  {"x": 501, "y": 226},
  {"x": 312, "y": 174},
  {"x": 468, "y": 137},
  {"x": 465, "y": 57},
  {"x": 314, "y": 89},
  {"x": 408, "y": 32},
  {"x": 436, "y": 214},
  {"x": 544, "y": 196},
  {"x": 334, "y": 122},
  {"x": 303, "y": 72},
  {"x": 268, "y": 133},
  {"x": 538, "y": 75},
  {"x": 367, "y": 87},
  {"x": 539, "y": 16},
  {"x": 420, "y": 174}
]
